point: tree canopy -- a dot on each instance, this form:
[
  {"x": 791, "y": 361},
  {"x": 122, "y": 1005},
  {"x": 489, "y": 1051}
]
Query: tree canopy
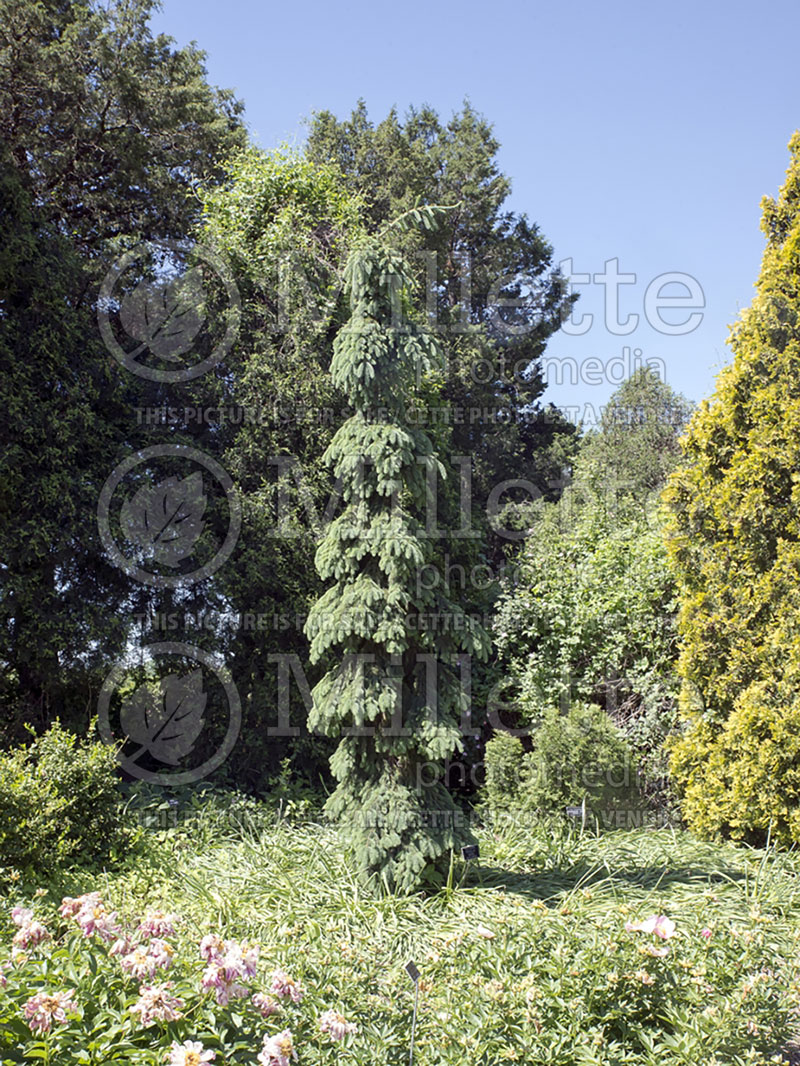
[{"x": 106, "y": 130}]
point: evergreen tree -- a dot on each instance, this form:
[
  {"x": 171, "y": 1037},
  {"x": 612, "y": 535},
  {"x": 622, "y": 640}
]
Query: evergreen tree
[
  {"x": 637, "y": 444},
  {"x": 284, "y": 225},
  {"x": 397, "y": 718},
  {"x": 496, "y": 293},
  {"x": 489, "y": 276},
  {"x": 105, "y": 129},
  {"x": 735, "y": 546},
  {"x": 111, "y": 126}
]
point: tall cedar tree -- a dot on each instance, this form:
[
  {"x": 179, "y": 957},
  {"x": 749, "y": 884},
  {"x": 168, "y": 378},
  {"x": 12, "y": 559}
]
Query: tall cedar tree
[
  {"x": 105, "y": 131},
  {"x": 735, "y": 546},
  {"x": 394, "y": 696}
]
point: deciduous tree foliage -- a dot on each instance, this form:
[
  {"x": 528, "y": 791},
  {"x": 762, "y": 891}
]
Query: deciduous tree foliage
[
  {"x": 590, "y": 615},
  {"x": 395, "y": 721},
  {"x": 735, "y": 547},
  {"x": 285, "y": 226},
  {"x": 286, "y": 222}
]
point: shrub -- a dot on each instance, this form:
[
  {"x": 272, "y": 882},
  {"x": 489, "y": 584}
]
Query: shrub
[
  {"x": 743, "y": 779},
  {"x": 578, "y": 755},
  {"x": 504, "y": 764},
  {"x": 85, "y": 986},
  {"x": 60, "y": 803}
]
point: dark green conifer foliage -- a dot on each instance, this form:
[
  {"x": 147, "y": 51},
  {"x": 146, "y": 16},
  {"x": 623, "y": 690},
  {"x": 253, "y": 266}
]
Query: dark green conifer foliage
[{"x": 397, "y": 715}]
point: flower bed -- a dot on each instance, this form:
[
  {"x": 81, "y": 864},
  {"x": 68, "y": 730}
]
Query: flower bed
[{"x": 87, "y": 986}]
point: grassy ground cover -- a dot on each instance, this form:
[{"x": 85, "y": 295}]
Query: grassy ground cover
[{"x": 525, "y": 957}]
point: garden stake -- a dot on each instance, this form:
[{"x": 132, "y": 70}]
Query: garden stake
[{"x": 413, "y": 973}]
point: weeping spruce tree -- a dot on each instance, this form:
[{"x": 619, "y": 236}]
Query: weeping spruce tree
[
  {"x": 735, "y": 545},
  {"x": 393, "y": 694}
]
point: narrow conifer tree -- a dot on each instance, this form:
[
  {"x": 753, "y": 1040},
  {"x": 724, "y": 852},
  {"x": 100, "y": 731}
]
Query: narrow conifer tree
[
  {"x": 735, "y": 546},
  {"x": 393, "y": 694}
]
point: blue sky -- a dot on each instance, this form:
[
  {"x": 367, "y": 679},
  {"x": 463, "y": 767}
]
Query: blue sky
[{"x": 638, "y": 132}]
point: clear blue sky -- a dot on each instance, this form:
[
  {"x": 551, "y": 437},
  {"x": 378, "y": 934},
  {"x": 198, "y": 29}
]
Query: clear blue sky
[{"x": 645, "y": 133}]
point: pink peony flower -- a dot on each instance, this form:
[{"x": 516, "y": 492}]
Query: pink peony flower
[
  {"x": 211, "y": 947},
  {"x": 228, "y": 961},
  {"x": 229, "y": 991},
  {"x": 43, "y": 1009},
  {"x": 705, "y": 933},
  {"x": 265, "y": 1004},
  {"x": 213, "y": 977},
  {"x": 334, "y": 1023},
  {"x": 155, "y": 1004},
  {"x": 216, "y": 979},
  {"x": 90, "y": 913},
  {"x": 144, "y": 960},
  {"x": 231, "y": 962},
  {"x": 190, "y": 1053},
  {"x": 283, "y": 985},
  {"x": 70, "y": 908},
  {"x": 21, "y": 916},
  {"x": 161, "y": 952},
  {"x": 249, "y": 954},
  {"x": 159, "y": 924},
  {"x": 30, "y": 934},
  {"x": 662, "y": 926},
  {"x": 277, "y": 1050},
  {"x": 95, "y": 920},
  {"x": 139, "y": 964}
]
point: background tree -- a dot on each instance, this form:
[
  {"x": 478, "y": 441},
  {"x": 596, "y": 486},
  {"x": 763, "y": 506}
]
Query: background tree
[
  {"x": 590, "y": 613},
  {"x": 494, "y": 297},
  {"x": 54, "y": 583},
  {"x": 396, "y": 723},
  {"x": 489, "y": 276},
  {"x": 285, "y": 226},
  {"x": 105, "y": 131},
  {"x": 734, "y": 535},
  {"x": 286, "y": 223},
  {"x": 111, "y": 127}
]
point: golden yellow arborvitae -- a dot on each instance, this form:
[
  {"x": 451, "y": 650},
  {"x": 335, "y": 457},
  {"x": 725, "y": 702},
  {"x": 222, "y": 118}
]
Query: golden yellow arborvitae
[{"x": 734, "y": 543}]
